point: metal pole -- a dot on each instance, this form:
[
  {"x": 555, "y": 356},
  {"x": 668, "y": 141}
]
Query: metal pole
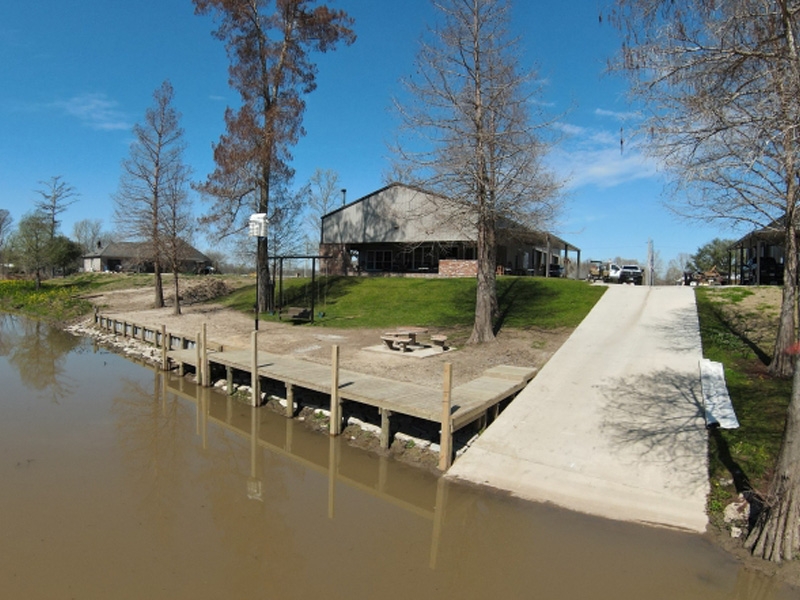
[
  {"x": 313, "y": 280},
  {"x": 255, "y": 306}
]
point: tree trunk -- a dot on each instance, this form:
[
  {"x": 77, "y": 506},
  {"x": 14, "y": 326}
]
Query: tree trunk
[
  {"x": 176, "y": 286},
  {"x": 776, "y": 534},
  {"x": 159, "y": 299},
  {"x": 486, "y": 293},
  {"x": 265, "y": 300},
  {"x": 782, "y": 362}
]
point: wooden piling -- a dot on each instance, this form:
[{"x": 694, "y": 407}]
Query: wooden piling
[
  {"x": 164, "y": 348},
  {"x": 386, "y": 428},
  {"x": 198, "y": 345},
  {"x": 446, "y": 440},
  {"x": 254, "y": 383},
  {"x": 289, "y": 400},
  {"x": 336, "y": 416},
  {"x": 206, "y": 366}
]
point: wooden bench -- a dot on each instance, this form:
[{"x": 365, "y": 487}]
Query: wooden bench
[
  {"x": 439, "y": 341},
  {"x": 296, "y": 313},
  {"x": 397, "y": 342}
]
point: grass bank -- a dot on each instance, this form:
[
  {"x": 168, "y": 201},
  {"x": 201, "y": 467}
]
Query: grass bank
[
  {"x": 735, "y": 327},
  {"x": 62, "y": 299},
  {"x": 50, "y": 302},
  {"x": 375, "y": 302}
]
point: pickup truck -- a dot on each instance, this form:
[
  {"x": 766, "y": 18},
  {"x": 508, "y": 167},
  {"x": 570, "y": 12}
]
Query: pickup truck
[
  {"x": 613, "y": 273},
  {"x": 631, "y": 274}
]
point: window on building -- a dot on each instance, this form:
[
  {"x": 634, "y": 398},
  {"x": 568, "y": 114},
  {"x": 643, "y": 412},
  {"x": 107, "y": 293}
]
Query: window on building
[{"x": 379, "y": 260}]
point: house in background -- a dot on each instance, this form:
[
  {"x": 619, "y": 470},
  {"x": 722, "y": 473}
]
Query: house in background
[
  {"x": 402, "y": 229},
  {"x": 137, "y": 257},
  {"x": 758, "y": 257}
]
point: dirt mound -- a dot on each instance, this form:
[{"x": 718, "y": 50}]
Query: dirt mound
[{"x": 203, "y": 291}]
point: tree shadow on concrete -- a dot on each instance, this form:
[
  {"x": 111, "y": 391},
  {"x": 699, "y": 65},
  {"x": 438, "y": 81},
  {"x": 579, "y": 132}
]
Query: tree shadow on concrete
[
  {"x": 680, "y": 331},
  {"x": 659, "y": 416}
]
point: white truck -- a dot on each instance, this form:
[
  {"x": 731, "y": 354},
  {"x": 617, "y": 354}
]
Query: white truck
[{"x": 612, "y": 273}]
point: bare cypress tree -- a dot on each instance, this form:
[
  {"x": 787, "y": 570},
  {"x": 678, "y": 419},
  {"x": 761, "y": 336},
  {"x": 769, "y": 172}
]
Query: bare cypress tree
[
  {"x": 57, "y": 195},
  {"x": 6, "y": 221},
  {"x": 269, "y": 45},
  {"x": 151, "y": 179},
  {"x": 722, "y": 80},
  {"x": 471, "y": 109},
  {"x": 177, "y": 225},
  {"x": 321, "y": 195},
  {"x": 87, "y": 233}
]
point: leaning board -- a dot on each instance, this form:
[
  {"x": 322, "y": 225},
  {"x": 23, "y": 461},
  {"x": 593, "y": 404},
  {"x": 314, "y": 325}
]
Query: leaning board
[{"x": 719, "y": 410}]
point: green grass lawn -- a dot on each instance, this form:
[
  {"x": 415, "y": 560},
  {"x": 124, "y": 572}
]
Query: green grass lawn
[
  {"x": 446, "y": 303},
  {"x": 741, "y": 459}
]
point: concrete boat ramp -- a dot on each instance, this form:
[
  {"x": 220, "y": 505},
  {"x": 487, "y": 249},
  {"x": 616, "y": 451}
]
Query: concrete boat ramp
[{"x": 613, "y": 425}]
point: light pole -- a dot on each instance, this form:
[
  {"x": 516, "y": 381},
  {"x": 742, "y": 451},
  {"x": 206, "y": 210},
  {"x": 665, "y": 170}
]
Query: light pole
[{"x": 258, "y": 227}]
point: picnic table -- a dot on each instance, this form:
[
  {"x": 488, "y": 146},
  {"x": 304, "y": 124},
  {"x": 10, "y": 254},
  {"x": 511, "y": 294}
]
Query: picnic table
[{"x": 402, "y": 338}]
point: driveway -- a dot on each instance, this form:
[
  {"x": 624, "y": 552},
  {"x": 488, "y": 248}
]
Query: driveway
[{"x": 613, "y": 424}]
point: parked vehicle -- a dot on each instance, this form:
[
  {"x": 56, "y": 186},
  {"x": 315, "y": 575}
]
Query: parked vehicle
[
  {"x": 554, "y": 270},
  {"x": 597, "y": 271},
  {"x": 613, "y": 273},
  {"x": 631, "y": 274}
]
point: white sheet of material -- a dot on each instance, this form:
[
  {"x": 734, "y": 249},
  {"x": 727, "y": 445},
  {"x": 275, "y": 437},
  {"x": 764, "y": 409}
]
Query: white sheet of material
[{"x": 719, "y": 410}]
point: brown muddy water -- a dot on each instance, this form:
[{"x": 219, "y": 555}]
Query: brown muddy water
[{"x": 119, "y": 482}]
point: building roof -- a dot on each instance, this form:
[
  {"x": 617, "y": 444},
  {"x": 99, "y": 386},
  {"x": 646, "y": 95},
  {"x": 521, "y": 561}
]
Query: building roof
[
  {"x": 365, "y": 220},
  {"x": 143, "y": 251}
]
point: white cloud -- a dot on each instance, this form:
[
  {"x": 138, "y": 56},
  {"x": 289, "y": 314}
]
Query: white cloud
[
  {"x": 618, "y": 115},
  {"x": 569, "y": 129},
  {"x": 95, "y": 111},
  {"x": 594, "y": 157}
]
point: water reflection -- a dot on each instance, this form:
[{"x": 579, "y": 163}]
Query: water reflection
[
  {"x": 143, "y": 485},
  {"x": 38, "y": 352}
]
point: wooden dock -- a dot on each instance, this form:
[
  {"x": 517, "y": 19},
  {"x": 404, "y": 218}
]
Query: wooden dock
[{"x": 451, "y": 407}]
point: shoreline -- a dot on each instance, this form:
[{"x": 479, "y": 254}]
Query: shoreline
[{"x": 419, "y": 452}]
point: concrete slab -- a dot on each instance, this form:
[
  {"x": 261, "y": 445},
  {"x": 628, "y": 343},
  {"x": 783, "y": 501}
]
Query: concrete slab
[
  {"x": 417, "y": 351},
  {"x": 613, "y": 425}
]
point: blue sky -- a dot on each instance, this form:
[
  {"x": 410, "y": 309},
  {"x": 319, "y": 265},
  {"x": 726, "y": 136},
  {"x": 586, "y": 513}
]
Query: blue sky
[{"x": 75, "y": 76}]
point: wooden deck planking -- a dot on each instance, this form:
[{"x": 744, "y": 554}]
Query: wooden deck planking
[
  {"x": 472, "y": 399},
  {"x": 469, "y": 400}
]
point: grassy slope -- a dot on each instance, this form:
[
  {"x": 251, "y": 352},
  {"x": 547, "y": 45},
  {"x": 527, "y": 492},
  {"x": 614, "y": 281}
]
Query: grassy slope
[
  {"x": 741, "y": 459},
  {"x": 443, "y": 303}
]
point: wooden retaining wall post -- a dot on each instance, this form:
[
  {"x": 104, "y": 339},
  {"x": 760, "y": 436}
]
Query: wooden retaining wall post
[
  {"x": 386, "y": 428},
  {"x": 198, "y": 344},
  {"x": 254, "y": 383},
  {"x": 446, "y": 440},
  {"x": 336, "y": 415},
  {"x": 164, "y": 348},
  {"x": 289, "y": 400},
  {"x": 229, "y": 379},
  {"x": 206, "y": 366}
]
